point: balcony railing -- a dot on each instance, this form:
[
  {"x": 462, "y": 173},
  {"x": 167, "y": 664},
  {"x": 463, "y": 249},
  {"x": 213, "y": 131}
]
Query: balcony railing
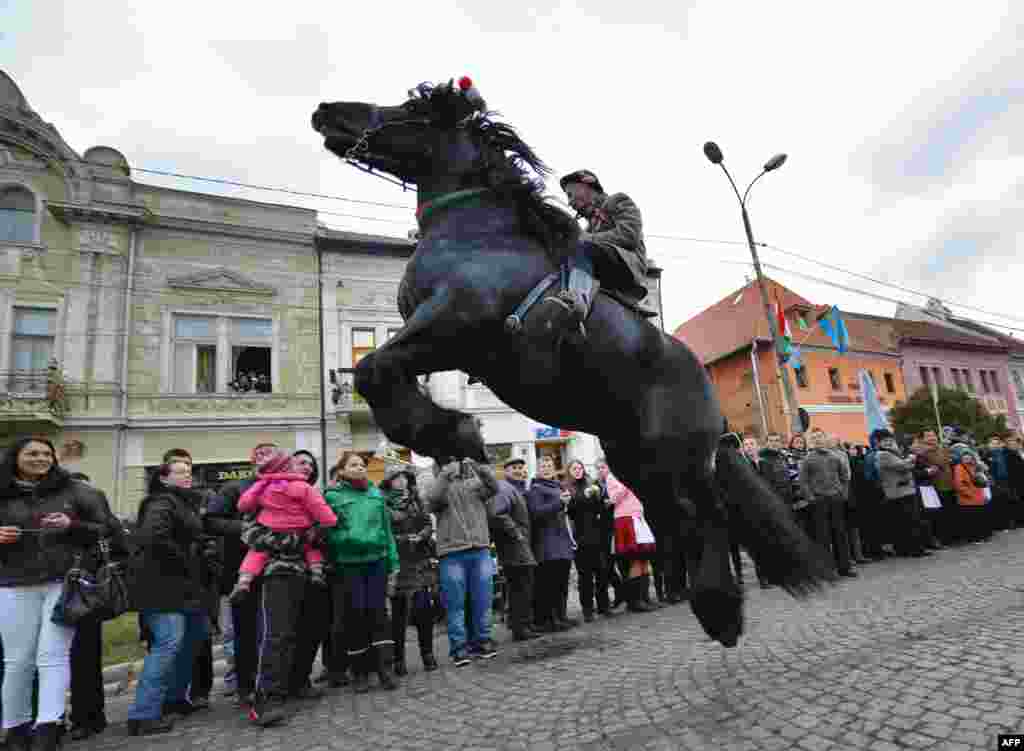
[{"x": 33, "y": 394}]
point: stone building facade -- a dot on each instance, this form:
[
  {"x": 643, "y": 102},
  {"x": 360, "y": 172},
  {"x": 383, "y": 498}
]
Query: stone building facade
[{"x": 173, "y": 319}]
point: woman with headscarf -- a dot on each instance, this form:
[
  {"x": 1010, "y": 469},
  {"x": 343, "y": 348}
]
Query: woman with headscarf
[{"x": 416, "y": 581}]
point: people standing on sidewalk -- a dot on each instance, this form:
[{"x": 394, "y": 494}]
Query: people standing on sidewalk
[
  {"x": 552, "y": 547},
  {"x": 825, "y": 477},
  {"x": 169, "y": 595},
  {"x": 461, "y": 498},
  {"x": 630, "y": 544},
  {"x": 773, "y": 466},
  {"x": 589, "y": 515},
  {"x": 511, "y": 533},
  {"x": 314, "y": 627},
  {"x": 413, "y": 599},
  {"x": 934, "y": 454},
  {"x": 903, "y": 503},
  {"x": 1015, "y": 477},
  {"x": 88, "y": 702},
  {"x": 288, "y": 514},
  {"x": 614, "y": 576},
  {"x": 969, "y": 484},
  {"x": 46, "y": 519},
  {"x": 225, "y": 519},
  {"x": 364, "y": 555}
]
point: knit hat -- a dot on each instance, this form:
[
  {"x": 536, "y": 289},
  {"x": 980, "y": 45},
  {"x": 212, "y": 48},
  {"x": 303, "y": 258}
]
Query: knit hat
[{"x": 279, "y": 462}]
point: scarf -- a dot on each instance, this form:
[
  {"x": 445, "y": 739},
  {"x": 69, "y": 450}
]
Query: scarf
[{"x": 361, "y": 484}]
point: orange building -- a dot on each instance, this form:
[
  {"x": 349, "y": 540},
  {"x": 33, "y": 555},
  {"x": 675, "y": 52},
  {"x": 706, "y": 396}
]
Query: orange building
[{"x": 732, "y": 339}]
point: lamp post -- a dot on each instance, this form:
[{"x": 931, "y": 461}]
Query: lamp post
[{"x": 714, "y": 155}]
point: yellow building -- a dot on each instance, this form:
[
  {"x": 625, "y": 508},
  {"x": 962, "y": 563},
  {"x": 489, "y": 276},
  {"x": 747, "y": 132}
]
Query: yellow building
[{"x": 173, "y": 319}]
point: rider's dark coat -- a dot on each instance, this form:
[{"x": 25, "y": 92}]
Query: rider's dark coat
[{"x": 617, "y": 226}]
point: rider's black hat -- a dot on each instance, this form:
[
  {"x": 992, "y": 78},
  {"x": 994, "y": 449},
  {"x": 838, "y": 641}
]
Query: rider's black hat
[{"x": 584, "y": 176}]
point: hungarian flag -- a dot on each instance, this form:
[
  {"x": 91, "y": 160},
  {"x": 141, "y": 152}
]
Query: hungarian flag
[{"x": 784, "y": 330}]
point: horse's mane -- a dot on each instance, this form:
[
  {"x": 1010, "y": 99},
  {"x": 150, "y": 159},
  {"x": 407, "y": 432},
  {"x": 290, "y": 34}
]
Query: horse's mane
[{"x": 510, "y": 164}]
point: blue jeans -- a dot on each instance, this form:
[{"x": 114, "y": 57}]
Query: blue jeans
[
  {"x": 167, "y": 669},
  {"x": 472, "y": 571}
]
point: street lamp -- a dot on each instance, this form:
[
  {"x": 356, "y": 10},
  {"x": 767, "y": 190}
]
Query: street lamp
[{"x": 714, "y": 155}]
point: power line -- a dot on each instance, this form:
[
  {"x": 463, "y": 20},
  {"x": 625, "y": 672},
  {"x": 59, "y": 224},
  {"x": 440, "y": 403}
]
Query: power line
[
  {"x": 842, "y": 270},
  {"x": 311, "y": 194},
  {"x": 254, "y": 186}
]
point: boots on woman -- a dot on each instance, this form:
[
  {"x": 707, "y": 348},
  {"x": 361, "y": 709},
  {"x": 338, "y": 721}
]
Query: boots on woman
[
  {"x": 48, "y": 737},
  {"x": 388, "y": 681},
  {"x": 20, "y": 738}
]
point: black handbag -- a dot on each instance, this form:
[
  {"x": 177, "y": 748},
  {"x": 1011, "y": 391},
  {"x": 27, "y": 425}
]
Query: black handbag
[{"x": 103, "y": 595}]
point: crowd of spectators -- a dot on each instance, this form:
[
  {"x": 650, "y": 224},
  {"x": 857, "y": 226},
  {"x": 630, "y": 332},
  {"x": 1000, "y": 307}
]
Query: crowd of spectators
[{"x": 281, "y": 572}]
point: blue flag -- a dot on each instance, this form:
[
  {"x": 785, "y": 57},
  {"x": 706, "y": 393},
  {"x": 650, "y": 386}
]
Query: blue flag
[
  {"x": 795, "y": 358},
  {"x": 872, "y": 407},
  {"x": 834, "y": 326}
]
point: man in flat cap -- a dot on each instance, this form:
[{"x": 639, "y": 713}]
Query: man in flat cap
[{"x": 610, "y": 251}]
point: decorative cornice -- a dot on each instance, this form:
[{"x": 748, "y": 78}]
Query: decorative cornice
[
  {"x": 221, "y": 279},
  {"x": 79, "y": 212},
  {"x": 204, "y": 226}
]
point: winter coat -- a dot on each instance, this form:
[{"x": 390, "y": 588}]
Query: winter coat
[
  {"x": 775, "y": 470},
  {"x": 168, "y": 568},
  {"x": 896, "y": 474},
  {"x": 617, "y": 226},
  {"x": 1015, "y": 472},
  {"x": 285, "y": 502},
  {"x": 626, "y": 504},
  {"x": 967, "y": 493},
  {"x": 224, "y": 518},
  {"x": 462, "y": 506},
  {"x": 413, "y": 532},
  {"x": 551, "y": 540},
  {"x": 794, "y": 458},
  {"x": 997, "y": 463},
  {"x": 363, "y": 532},
  {"x": 37, "y": 558},
  {"x": 824, "y": 474},
  {"x": 510, "y": 525},
  {"x": 589, "y": 515},
  {"x": 939, "y": 457}
]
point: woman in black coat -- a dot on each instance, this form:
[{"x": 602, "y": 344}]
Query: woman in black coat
[
  {"x": 46, "y": 521},
  {"x": 170, "y": 596}
]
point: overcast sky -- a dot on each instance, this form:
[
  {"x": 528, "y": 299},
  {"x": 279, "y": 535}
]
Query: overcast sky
[{"x": 903, "y": 121}]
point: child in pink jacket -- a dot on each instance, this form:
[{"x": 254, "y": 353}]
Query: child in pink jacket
[{"x": 285, "y": 502}]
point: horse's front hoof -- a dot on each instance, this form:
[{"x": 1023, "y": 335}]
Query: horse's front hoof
[
  {"x": 720, "y": 613},
  {"x": 513, "y": 324}
]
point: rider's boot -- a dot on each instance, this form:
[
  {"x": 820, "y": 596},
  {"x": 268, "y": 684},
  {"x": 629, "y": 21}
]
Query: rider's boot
[{"x": 579, "y": 294}]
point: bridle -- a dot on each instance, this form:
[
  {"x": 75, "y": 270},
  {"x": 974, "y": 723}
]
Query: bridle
[{"x": 360, "y": 156}]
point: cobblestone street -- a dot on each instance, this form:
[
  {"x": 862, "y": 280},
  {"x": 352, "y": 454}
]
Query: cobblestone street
[{"x": 917, "y": 653}]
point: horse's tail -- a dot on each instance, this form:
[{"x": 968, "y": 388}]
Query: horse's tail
[{"x": 783, "y": 552}]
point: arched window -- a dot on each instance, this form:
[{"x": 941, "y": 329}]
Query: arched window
[{"x": 17, "y": 214}]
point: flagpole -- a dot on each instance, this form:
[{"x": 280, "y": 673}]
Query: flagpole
[{"x": 934, "y": 389}]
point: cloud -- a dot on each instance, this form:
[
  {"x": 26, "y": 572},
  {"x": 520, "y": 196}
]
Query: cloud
[{"x": 903, "y": 128}]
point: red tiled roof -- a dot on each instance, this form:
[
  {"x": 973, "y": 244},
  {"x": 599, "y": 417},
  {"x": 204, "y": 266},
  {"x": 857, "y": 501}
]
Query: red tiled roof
[{"x": 732, "y": 322}]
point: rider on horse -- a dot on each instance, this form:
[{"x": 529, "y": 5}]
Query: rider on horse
[{"x": 611, "y": 249}]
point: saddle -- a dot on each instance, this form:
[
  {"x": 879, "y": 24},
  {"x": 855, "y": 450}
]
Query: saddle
[{"x": 514, "y": 323}]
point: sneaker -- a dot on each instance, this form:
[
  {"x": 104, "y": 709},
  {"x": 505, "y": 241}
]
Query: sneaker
[
  {"x": 588, "y": 617},
  {"x": 488, "y": 650},
  {"x": 266, "y": 712},
  {"x": 461, "y": 659},
  {"x": 429, "y": 663}
]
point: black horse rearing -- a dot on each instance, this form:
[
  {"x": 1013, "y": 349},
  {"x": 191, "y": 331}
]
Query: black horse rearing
[{"x": 487, "y": 238}]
